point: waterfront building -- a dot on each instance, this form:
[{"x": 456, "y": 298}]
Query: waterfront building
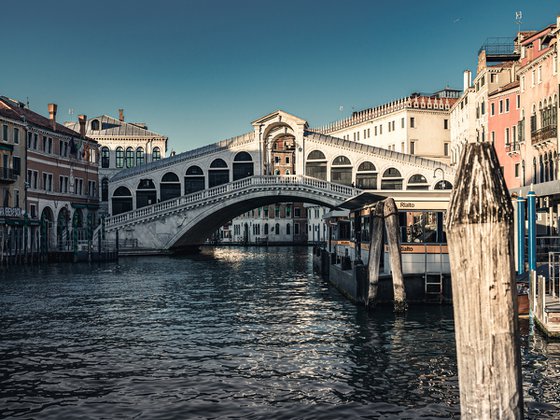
[
  {"x": 538, "y": 121},
  {"x": 496, "y": 68},
  {"x": 503, "y": 121},
  {"x": 280, "y": 223},
  {"x": 462, "y": 119},
  {"x": 61, "y": 168},
  {"x": 416, "y": 125},
  {"x": 122, "y": 145},
  {"x": 12, "y": 179},
  {"x": 317, "y": 230}
]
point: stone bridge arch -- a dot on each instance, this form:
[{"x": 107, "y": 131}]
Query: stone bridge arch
[
  {"x": 195, "y": 230},
  {"x": 188, "y": 220}
]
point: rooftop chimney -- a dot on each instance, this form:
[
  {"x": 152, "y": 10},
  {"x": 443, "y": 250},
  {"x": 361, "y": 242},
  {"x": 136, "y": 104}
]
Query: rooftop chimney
[
  {"x": 121, "y": 114},
  {"x": 52, "y": 115},
  {"x": 82, "y": 120},
  {"x": 466, "y": 80}
]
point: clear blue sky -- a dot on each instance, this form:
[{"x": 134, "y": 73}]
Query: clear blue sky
[{"x": 200, "y": 71}]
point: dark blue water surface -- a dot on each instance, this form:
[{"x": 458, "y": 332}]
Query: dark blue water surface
[{"x": 233, "y": 333}]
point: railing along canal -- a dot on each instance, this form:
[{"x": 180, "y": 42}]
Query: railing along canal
[{"x": 254, "y": 181}]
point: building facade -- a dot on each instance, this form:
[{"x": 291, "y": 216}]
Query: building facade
[
  {"x": 60, "y": 194},
  {"x": 503, "y": 121},
  {"x": 416, "y": 125},
  {"x": 12, "y": 179},
  {"x": 122, "y": 145},
  {"x": 280, "y": 223}
]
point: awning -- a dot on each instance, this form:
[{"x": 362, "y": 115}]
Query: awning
[{"x": 361, "y": 200}]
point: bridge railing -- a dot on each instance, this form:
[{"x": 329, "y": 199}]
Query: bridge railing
[{"x": 200, "y": 196}]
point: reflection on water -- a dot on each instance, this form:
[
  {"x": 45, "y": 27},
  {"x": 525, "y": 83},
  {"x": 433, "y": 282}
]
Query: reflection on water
[{"x": 239, "y": 332}]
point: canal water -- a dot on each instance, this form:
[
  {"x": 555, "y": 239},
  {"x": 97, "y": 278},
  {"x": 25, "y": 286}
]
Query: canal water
[{"x": 245, "y": 333}]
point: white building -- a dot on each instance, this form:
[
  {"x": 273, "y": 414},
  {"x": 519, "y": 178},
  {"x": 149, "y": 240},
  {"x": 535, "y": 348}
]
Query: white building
[
  {"x": 416, "y": 125},
  {"x": 122, "y": 145}
]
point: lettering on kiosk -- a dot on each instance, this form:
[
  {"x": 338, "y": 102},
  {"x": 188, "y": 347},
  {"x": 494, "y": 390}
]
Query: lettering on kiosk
[{"x": 406, "y": 205}]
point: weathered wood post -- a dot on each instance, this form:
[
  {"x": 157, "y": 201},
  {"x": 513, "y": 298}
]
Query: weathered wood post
[
  {"x": 375, "y": 246},
  {"x": 480, "y": 239},
  {"x": 392, "y": 227}
]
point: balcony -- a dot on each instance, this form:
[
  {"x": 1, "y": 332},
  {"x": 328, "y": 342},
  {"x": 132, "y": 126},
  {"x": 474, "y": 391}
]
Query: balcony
[
  {"x": 544, "y": 137},
  {"x": 8, "y": 175},
  {"x": 512, "y": 148}
]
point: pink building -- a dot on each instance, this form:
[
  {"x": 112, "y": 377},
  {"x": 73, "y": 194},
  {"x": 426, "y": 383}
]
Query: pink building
[{"x": 503, "y": 119}]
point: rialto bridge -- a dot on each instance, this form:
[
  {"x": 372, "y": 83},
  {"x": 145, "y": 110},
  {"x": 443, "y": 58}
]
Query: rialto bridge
[{"x": 181, "y": 200}]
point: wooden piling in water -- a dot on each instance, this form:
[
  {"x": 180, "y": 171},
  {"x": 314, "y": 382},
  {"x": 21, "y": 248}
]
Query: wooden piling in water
[
  {"x": 480, "y": 240},
  {"x": 392, "y": 228},
  {"x": 375, "y": 247}
]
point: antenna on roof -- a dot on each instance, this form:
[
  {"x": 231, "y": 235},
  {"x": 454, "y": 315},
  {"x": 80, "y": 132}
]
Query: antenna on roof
[{"x": 518, "y": 22}]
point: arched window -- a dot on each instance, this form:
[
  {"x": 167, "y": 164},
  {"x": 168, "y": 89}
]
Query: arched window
[
  {"x": 95, "y": 125},
  {"x": 391, "y": 180},
  {"x": 119, "y": 154},
  {"x": 170, "y": 187},
  {"x": 156, "y": 154},
  {"x": 341, "y": 170},
  {"x": 218, "y": 173},
  {"x": 146, "y": 193},
  {"x": 139, "y": 156},
  {"x": 266, "y": 228},
  {"x": 121, "y": 201},
  {"x": 194, "y": 180},
  {"x": 316, "y": 165},
  {"x": 417, "y": 182},
  {"x": 242, "y": 166},
  {"x": 366, "y": 176},
  {"x": 105, "y": 157},
  {"x": 277, "y": 226},
  {"x": 287, "y": 172},
  {"x": 443, "y": 185},
  {"x": 129, "y": 157},
  {"x": 277, "y": 172},
  {"x": 104, "y": 189},
  {"x": 288, "y": 229}
]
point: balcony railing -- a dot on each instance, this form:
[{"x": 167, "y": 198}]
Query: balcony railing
[
  {"x": 8, "y": 175},
  {"x": 512, "y": 148},
  {"x": 544, "y": 134}
]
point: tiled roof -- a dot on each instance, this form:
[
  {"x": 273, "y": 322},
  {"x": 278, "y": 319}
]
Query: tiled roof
[
  {"x": 511, "y": 85},
  {"x": 16, "y": 111},
  {"x": 110, "y": 126}
]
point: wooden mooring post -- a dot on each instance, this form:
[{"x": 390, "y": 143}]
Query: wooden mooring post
[
  {"x": 392, "y": 228},
  {"x": 480, "y": 240},
  {"x": 375, "y": 247}
]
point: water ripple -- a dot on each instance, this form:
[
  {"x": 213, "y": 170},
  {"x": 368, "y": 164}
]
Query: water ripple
[{"x": 236, "y": 333}]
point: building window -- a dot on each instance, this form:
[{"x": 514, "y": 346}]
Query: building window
[
  {"x": 402, "y": 122},
  {"x": 5, "y": 132},
  {"x": 277, "y": 228},
  {"x": 446, "y": 149},
  {"x": 539, "y": 74},
  {"x": 518, "y": 101},
  {"x": 446, "y": 124},
  {"x": 47, "y": 181},
  {"x": 16, "y": 165},
  {"x": 139, "y": 156},
  {"x": 412, "y": 147},
  {"x": 105, "y": 157},
  {"x": 492, "y": 110},
  {"x": 411, "y": 122},
  {"x": 129, "y": 157},
  {"x": 119, "y": 157},
  {"x": 507, "y": 104},
  {"x": 95, "y": 125},
  {"x": 506, "y": 139},
  {"x": 16, "y": 135},
  {"x": 517, "y": 170},
  {"x": 78, "y": 186},
  {"x": 492, "y": 137},
  {"x": 156, "y": 154},
  {"x": 16, "y": 198}
]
